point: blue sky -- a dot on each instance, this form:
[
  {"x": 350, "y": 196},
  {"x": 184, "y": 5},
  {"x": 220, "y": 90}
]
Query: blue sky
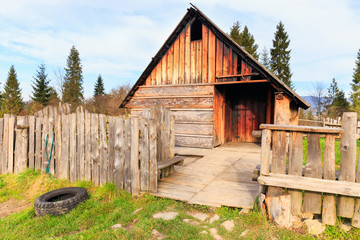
[{"x": 118, "y": 38}]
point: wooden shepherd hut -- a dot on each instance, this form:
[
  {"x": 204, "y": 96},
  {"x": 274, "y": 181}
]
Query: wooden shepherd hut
[{"x": 216, "y": 90}]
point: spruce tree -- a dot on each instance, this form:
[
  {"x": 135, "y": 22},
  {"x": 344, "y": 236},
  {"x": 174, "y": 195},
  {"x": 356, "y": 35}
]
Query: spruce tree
[
  {"x": 248, "y": 42},
  {"x": 41, "y": 89},
  {"x": 11, "y": 98},
  {"x": 355, "y": 86},
  {"x": 280, "y": 55},
  {"x": 245, "y": 39},
  {"x": 264, "y": 58},
  {"x": 335, "y": 101},
  {"x": 73, "y": 79},
  {"x": 99, "y": 87}
]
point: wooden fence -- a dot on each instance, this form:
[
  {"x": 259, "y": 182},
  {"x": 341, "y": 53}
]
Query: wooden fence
[
  {"x": 327, "y": 122},
  {"x": 324, "y": 194},
  {"x": 89, "y": 146}
]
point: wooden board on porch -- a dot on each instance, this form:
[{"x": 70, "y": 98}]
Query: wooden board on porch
[{"x": 222, "y": 177}]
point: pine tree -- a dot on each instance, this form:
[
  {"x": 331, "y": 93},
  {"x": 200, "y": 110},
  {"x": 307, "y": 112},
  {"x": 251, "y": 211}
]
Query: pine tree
[
  {"x": 99, "y": 89},
  {"x": 280, "y": 56},
  {"x": 73, "y": 80},
  {"x": 335, "y": 101},
  {"x": 11, "y": 99},
  {"x": 355, "y": 86},
  {"x": 245, "y": 39},
  {"x": 41, "y": 88},
  {"x": 264, "y": 58}
]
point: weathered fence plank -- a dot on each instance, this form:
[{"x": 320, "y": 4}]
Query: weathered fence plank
[
  {"x": 21, "y": 144},
  {"x": 134, "y": 156},
  {"x": 313, "y": 168},
  {"x": 153, "y": 172},
  {"x": 57, "y": 144},
  {"x": 119, "y": 153},
  {"x": 2, "y": 157},
  {"x": 38, "y": 157},
  {"x": 31, "y": 142},
  {"x": 72, "y": 143},
  {"x": 87, "y": 164},
  {"x": 345, "y": 206},
  {"x": 50, "y": 140},
  {"x": 329, "y": 208},
  {"x": 65, "y": 139},
  {"x": 144, "y": 155},
  {"x": 95, "y": 148},
  {"x": 295, "y": 168},
  {"x": 127, "y": 168},
  {"x": 5, "y": 144},
  {"x": 45, "y": 125},
  {"x": 12, "y": 122},
  {"x": 103, "y": 150},
  {"x": 81, "y": 146},
  {"x": 111, "y": 144}
]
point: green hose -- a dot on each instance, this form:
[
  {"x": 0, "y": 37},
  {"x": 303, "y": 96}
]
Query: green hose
[{"x": 49, "y": 158}]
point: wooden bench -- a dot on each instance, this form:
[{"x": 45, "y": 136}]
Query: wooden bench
[{"x": 167, "y": 166}]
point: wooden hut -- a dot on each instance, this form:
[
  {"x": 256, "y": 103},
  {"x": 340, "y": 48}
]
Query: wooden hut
[{"x": 216, "y": 90}]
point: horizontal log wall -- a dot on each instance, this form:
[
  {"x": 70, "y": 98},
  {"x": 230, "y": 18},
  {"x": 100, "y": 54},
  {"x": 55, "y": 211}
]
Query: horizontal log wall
[{"x": 89, "y": 146}]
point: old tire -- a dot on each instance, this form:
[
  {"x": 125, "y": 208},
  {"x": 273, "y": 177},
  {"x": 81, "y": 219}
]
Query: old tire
[{"x": 59, "y": 201}]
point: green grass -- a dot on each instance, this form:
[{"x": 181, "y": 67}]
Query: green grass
[
  {"x": 322, "y": 146},
  {"x": 107, "y": 206}
]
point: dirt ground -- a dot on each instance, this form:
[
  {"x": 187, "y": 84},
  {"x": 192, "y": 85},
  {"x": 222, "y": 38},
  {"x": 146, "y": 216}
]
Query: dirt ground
[{"x": 13, "y": 206}]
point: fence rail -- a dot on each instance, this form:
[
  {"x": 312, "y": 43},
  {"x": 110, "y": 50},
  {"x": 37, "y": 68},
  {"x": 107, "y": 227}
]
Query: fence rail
[
  {"x": 318, "y": 182},
  {"x": 89, "y": 146}
]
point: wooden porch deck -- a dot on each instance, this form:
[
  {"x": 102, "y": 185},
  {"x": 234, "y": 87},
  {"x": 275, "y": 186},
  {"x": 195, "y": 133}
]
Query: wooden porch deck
[{"x": 221, "y": 177}]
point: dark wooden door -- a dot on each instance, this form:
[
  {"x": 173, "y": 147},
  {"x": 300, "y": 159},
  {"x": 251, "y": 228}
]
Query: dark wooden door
[{"x": 248, "y": 111}]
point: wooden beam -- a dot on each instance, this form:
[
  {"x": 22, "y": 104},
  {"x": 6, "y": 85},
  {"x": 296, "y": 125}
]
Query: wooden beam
[
  {"x": 307, "y": 129},
  {"x": 241, "y": 82},
  {"x": 238, "y": 75},
  {"x": 311, "y": 184},
  {"x": 176, "y": 96},
  {"x": 205, "y": 84}
]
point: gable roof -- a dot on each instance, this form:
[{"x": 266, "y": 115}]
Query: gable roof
[{"x": 255, "y": 64}]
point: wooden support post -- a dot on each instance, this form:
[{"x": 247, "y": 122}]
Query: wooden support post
[
  {"x": 295, "y": 168},
  {"x": 134, "y": 162},
  {"x": 345, "y": 206},
  {"x": 329, "y": 209}
]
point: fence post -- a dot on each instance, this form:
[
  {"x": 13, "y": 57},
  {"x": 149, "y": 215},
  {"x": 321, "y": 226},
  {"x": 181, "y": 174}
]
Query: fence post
[
  {"x": 345, "y": 207},
  {"x": 21, "y": 144}
]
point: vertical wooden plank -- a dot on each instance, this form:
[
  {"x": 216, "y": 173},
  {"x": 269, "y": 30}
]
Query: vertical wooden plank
[
  {"x": 345, "y": 207},
  {"x": 175, "y": 77},
  {"x": 11, "y": 143},
  {"x": 134, "y": 156},
  {"x": 329, "y": 208},
  {"x": 211, "y": 57},
  {"x": 226, "y": 61},
  {"x": 21, "y": 145},
  {"x": 313, "y": 169},
  {"x": 182, "y": 58},
  {"x": 163, "y": 69},
  {"x": 198, "y": 62},
  {"x": 111, "y": 144},
  {"x": 38, "y": 143},
  {"x": 205, "y": 42},
  {"x": 31, "y": 141},
  {"x": 45, "y": 132},
  {"x": 103, "y": 150},
  {"x": 295, "y": 168},
  {"x": 95, "y": 148},
  {"x": 2, "y": 157},
  {"x": 5, "y": 144},
  {"x": 152, "y": 157},
  {"x": 219, "y": 57},
  {"x": 193, "y": 48},
  {"x": 169, "y": 65},
  {"x": 158, "y": 74},
  {"x": 78, "y": 141},
  {"x": 172, "y": 140},
  {"x": 127, "y": 168},
  {"x": 144, "y": 155},
  {"x": 265, "y": 152},
  {"x": 187, "y": 55},
  {"x": 88, "y": 150},
  {"x": 72, "y": 154},
  {"x": 57, "y": 141},
  {"x": 235, "y": 63},
  {"x": 119, "y": 153},
  {"x": 50, "y": 140},
  {"x": 65, "y": 145}
]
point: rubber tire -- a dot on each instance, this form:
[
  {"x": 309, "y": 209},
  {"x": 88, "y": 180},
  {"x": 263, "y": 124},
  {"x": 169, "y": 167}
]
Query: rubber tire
[{"x": 69, "y": 198}]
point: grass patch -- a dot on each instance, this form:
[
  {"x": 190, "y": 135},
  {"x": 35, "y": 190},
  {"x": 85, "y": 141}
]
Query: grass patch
[{"x": 107, "y": 206}]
